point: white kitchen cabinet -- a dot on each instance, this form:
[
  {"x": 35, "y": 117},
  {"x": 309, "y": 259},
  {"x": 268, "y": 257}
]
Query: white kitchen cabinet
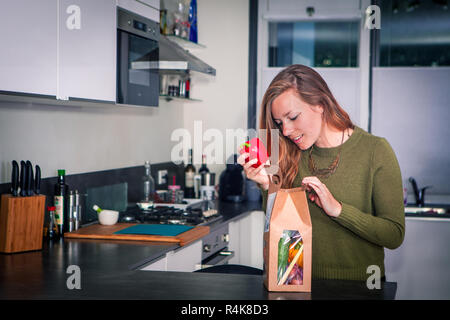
[
  {"x": 158, "y": 265},
  {"x": 420, "y": 265},
  {"x": 246, "y": 240},
  {"x": 87, "y": 49},
  {"x": 28, "y": 51},
  {"x": 62, "y": 48},
  {"x": 183, "y": 259}
]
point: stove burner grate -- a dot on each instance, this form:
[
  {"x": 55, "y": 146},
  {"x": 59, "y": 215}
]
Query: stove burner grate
[{"x": 167, "y": 215}]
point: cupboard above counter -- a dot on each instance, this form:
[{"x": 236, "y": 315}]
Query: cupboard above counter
[{"x": 59, "y": 49}]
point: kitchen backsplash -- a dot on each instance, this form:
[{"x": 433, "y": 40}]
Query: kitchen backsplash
[{"x": 131, "y": 176}]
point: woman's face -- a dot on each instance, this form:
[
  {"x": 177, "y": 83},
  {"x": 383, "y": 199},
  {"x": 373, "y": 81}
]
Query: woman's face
[{"x": 299, "y": 121}]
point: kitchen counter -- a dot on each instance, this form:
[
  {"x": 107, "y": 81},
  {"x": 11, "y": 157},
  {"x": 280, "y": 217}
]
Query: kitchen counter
[
  {"x": 109, "y": 270},
  {"x": 444, "y": 214},
  {"x": 105, "y": 274}
]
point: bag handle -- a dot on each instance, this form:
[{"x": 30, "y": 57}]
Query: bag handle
[{"x": 274, "y": 183}]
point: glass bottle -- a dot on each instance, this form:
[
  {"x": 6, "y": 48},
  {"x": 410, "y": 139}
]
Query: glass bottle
[
  {"x": 51, "y": 230},
  {"x": 60, "y": 199},
  {"x": 163, "y": 21},
  {"x": 189, "y": 174},
  {"x": 148, "y": 184},
  {"x": 193, "y": 21},
  {"x": 203, "y": 168}
]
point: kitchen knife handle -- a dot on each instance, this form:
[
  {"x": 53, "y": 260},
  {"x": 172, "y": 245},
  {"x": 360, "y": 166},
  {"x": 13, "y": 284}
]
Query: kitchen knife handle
[
  {"x": 23, "y": 169},
  {"x": 14, "y": 178},
  {"x": 37, "y": 180},
  {"x": 29, "y": 179}
]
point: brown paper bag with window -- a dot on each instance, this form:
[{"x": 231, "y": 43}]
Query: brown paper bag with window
[{"x": 287, "y": 239}]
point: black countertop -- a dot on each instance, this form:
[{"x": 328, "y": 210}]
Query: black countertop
[
  {"x": 108, "y": 270},
  {"x": 105, "y": 274}
]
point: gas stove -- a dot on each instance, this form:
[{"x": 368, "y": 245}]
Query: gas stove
[
  {"x": 202, "y": 213},
  {"x": 196, "y": 214}
]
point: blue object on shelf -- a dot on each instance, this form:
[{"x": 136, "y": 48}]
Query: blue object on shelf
[
  {"x": 193, "y": 21},
  {"x": 169, "y": 230}
]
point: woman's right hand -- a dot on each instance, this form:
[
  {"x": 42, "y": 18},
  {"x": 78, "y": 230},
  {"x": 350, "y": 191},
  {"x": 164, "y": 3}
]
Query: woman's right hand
[{"x": 259, "y": 175}]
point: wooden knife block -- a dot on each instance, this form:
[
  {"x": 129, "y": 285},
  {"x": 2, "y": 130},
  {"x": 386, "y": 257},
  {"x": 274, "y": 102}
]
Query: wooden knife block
[{"x": 21, "y": 223}]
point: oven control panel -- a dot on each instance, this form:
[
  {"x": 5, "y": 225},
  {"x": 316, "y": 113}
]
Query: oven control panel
[{"x": 215, "y": 241}]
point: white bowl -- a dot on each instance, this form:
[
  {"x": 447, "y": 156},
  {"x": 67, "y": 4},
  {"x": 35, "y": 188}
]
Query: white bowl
[
  {"x": 145, "y": 205},
  {"x": 108, "y": 217}
]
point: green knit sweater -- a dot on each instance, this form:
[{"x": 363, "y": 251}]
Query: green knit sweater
[{"x": 368, "y": 184}]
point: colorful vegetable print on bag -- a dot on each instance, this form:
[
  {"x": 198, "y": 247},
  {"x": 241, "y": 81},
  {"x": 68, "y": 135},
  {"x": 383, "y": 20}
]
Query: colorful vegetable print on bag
[{"x": 290, "y": 258}]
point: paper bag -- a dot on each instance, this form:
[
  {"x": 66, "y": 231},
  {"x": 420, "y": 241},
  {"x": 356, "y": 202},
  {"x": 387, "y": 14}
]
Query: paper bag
[{"x": 287, "y": 239}]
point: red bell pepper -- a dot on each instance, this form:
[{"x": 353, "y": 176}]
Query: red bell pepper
[{"x": 257, "y": 150}]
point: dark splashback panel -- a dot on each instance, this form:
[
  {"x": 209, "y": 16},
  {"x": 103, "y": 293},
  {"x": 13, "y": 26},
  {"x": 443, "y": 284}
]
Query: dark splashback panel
[{"x": 131, "y": 176}]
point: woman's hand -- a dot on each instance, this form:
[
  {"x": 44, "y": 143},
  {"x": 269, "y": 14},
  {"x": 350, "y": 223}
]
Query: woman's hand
[
  {"x": 259, "y": 175},
  {"x": 322, "y": 196}
]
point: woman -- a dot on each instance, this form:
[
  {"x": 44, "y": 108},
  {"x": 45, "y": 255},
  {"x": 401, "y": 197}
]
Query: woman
[{"x": 352, "y": 178}]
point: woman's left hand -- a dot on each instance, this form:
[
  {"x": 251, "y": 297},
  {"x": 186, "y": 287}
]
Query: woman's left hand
[{"x": 322, "y": 197}]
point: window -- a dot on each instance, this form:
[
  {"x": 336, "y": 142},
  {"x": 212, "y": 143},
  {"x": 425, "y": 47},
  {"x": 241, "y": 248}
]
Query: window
[
  {"x": 315, "y": 44},
  {"x": 414, "y": 33}
]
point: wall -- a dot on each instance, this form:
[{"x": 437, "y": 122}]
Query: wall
[
  {"x": 84, "y": 139},
  {"x": 223, "y": 28}
]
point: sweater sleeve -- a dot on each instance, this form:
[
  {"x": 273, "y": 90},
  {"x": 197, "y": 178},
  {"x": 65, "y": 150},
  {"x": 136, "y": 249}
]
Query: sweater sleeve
[{"x": 386, "y": 225}]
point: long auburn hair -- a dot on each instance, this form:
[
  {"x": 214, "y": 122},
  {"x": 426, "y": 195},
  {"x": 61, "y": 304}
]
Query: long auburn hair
[{"x": 313, "y": 90}]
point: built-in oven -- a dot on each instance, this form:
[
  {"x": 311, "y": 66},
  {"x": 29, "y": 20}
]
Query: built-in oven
[{"x": 137, "y": 59}]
